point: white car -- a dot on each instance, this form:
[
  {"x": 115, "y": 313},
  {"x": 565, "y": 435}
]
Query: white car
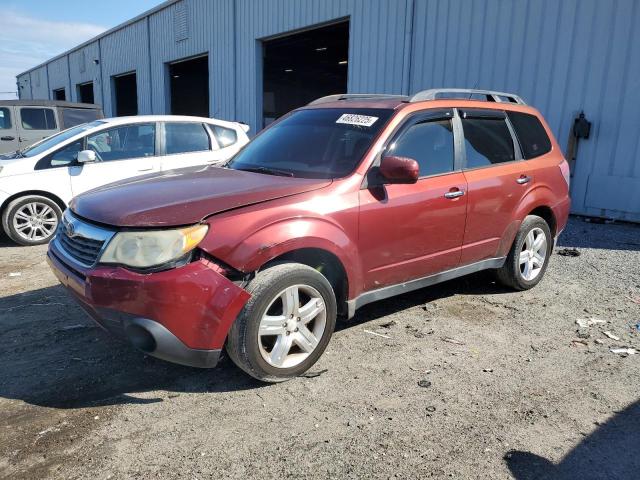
[{"x": 36, "y": 184}]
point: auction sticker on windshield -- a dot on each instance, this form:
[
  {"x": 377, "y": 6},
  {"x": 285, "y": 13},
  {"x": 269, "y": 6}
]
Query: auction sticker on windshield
[{"x": 353, "y": 119}]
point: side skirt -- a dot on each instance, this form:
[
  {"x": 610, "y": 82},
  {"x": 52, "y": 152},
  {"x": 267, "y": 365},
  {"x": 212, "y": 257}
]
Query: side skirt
[{"x": 400, "y": 288}]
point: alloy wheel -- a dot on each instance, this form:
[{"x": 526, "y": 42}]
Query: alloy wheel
[
  {"x": 35, "y": 221},
  {"x": 533, "y": 254},
  {"x": 292, "y": 326}
]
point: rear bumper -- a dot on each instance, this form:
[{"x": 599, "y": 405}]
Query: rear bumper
[{"x": 180, "y": 315}]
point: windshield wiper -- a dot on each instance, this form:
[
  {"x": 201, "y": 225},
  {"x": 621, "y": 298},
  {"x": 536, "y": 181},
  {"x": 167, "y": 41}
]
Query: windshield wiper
[{"x": 267, "y": 171}]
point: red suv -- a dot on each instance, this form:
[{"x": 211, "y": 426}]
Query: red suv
[{"x": 348, "y": 200}]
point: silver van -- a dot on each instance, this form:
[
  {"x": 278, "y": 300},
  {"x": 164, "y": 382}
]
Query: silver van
[{"x": 25, "y": 122}]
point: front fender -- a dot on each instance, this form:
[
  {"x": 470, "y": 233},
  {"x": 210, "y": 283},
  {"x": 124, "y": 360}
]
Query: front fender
[
  {"x": 272, "y": 240},
  {"x": 293, "y": 234}
]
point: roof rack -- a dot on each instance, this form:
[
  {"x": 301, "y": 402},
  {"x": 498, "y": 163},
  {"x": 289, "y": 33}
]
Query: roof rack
[
  {"x": 357, "y": 96},
  {"x": 491, "y": 95}
]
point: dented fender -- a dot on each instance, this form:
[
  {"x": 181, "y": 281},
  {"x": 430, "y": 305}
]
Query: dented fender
[{"x": 289, "y": 235}]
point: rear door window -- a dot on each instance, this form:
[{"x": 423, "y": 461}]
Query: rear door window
[
  {"x": 38, "y": 119},
  {"x": 181, "y": 137},
  {"x": 122, "y": 143},
  {"x": 5, "y": 118},
  {"x": 430, "y": 143},
  {"x": 532, "y": 136},
  {"x": 487, "y": 139}
]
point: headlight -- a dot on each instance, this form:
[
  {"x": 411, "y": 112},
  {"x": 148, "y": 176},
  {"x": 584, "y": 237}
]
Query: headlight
[{"x": 145, "y": 249}]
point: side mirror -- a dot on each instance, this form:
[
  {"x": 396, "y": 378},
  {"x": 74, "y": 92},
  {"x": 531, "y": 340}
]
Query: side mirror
[
  {"x": 86, "y": 156},
  {"x": 400, "y": 169}
]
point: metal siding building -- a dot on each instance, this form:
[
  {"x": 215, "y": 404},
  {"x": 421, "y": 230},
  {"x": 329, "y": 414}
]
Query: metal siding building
[{"x": 562, "y": 56}]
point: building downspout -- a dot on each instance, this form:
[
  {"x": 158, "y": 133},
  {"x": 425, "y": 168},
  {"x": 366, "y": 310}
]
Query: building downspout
[
  {"x": 149, "y": 60},
  {"x": 46, "y": 70},
  {"x": 102, "y": 101},
  {"x": 408, "y": 47},
  {"x": 71, "y": 99},
  {"x": 235, "y": 62}
]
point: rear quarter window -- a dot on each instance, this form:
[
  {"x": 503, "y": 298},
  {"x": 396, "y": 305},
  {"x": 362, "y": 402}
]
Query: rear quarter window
[
  {"x": 532, "y": 136},
  {"x": 225, "y": 136}
]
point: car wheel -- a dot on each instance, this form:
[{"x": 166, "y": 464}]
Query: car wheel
[
  {"x": 286, "y": 324},
  {"x": 529, "y": 255},
  {"x": 31, "y": 220}
]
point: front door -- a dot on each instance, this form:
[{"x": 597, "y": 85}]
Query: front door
[
  {"x": 35, "y": 124},
  {"x": 8, "y": 130},
  {"x": 415, "y": 230},
  {"x": 121, "y": 152}
]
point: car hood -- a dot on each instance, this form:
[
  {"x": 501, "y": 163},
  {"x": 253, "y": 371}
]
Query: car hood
[{"x": 184, "y": 196}]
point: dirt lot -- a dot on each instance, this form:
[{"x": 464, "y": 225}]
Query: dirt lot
[{"x": 467, "y": 381}]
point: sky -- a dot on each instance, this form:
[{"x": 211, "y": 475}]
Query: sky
[{"x": 32, "y": 31}]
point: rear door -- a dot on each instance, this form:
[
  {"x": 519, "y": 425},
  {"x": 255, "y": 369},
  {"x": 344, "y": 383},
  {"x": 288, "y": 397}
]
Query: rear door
[
  {"x": 34, "y": 124},
  {"x": 415, "y": 230},
  {"x": 8, "y": 130},
  {"x": 122, "y": 152},
  {"x": 497, "y": 179}
]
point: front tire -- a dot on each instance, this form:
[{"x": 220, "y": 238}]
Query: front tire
[
  {"x": 286, "y": 325},
  {"x": 31, "y": 220},
  {"x": 529, "y": 255}
]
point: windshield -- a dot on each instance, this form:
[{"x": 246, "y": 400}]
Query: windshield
[
  {"x": 52, "y": 141},
  {"x": 316, "y": 143}
]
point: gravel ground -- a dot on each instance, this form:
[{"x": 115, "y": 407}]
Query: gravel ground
[{"x": 464, "y": 380}]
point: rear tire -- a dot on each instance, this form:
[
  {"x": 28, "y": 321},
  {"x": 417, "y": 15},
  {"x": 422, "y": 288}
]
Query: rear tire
[
  {"x": 529, "y": 255},
  {"x": 286, "y": 325},
  {"x": 31, "y": 220}
]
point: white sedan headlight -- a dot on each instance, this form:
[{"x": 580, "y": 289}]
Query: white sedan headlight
[{"x": 145, "y": 249}]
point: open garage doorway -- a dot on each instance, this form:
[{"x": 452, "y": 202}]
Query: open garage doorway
[
  {"x": 301, "y": 67},
  {"x": 189, "y": 86},
  {"x": 59, "y": 94},
  {"x": 125, "y": 93},
  {"x": 85, "y": 92}
]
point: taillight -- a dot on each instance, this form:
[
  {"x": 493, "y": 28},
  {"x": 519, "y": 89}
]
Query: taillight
[{"x": 566, "y": 172}]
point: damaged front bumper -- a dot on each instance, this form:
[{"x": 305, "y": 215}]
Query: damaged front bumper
[{"x": 180, "y": 315}]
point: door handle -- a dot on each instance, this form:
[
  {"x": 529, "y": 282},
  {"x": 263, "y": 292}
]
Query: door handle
[
  {"x": 146, "y": 169},
  {"x": 454, "y": 194},
  {"x": 7, "y": 138},
  {"x": 523, "y": 179}
]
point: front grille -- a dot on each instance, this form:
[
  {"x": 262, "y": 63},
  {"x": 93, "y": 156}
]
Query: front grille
[
  {"x": 85, "y": 250},
  {"x": 81, "y": 241}
]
